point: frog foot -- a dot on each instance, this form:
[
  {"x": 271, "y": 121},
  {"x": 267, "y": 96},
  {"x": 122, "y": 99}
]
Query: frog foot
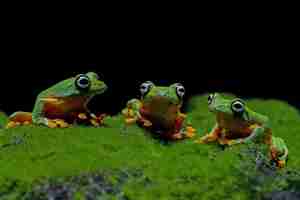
[
  {"x": 200, "y": 141},
  {"x": 19, "y": 118},
  {"x": 57, "y": 123},
  {"x": 97, "y": 120},
  {"x": 223, "y": 141},
  {"x": 130, "y": 120},
  {"x": 82, "y": 116},
  {"x": 190, "y": 132},
  {"x": 204, "y": 139},
  {"x": 146, "y": 123},
  {"x": 281, "y": 164},
  {"x": 176, "y": 136},
  {"x": 13, "y": 124}
]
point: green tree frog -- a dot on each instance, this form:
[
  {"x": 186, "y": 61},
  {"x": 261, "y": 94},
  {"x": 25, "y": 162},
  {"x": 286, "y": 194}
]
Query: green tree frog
[
  {"x": 159, "y": 109},
  {"x": 64, "y": 102},
  {"x": 236, "y": 123}
]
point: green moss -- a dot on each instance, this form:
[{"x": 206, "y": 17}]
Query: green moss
[
  {"x": 3, "y": 119},
  {"x": 143, "y": 167}
]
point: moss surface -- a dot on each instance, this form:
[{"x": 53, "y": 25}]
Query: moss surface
[{"x": 126, "y": 163}]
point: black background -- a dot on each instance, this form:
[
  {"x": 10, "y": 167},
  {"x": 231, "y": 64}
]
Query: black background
[
  {"x": 252, "y": 58},
  {"x": 20, "y": 86}
]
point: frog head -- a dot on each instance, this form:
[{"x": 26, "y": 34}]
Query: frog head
[
  {"x": 218, "y": 104},
  {"x": 172, "y": 94},
  {"x": 89, "y": 83}
]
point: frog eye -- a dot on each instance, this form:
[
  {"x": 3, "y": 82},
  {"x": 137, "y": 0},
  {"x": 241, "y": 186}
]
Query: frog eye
[
  {"x": 180, "y": 91},
  {"x": 210, "y": 98},
  {"x": 97, "y": 76},
  {"x": 238, "y": 106},
  {"x": 145, "y": 87},
  {"x": 82, "y": 82}
]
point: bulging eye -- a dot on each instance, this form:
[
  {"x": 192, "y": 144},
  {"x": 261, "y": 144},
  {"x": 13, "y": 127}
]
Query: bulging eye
[
  {"x": 97, "y": 76},
  {"x": 210, "y": 98},
  {"x": 82, "y": 82},
  {"x": 145, "y": 87},
  {"x": 180, "y": 91},
  {"x": 238, "y": 106}
]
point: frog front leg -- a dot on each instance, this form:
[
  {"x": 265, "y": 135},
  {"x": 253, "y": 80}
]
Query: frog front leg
[
  {"x": 188, "y": 130},
  {"x": 212, "y": 136},
  {"x": 259, "y": 133},
  {"x": 132, "y": 113},
  {"x": 38, "y": 115}
]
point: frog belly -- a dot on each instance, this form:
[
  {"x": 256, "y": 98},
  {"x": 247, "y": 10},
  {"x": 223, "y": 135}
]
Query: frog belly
[
  {"x": 234, "y": 127},
  {"x": 64, "y": 108},
  {"x": 161, "y": 112}
]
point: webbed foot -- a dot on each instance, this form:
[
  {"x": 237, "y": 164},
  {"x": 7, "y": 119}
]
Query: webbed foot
[
  {"x": 57, "y": 123},
  {"x": 281, "y": 164},
  {"x": 190, "y": 132},
  {"x": 19, "y": 118}
]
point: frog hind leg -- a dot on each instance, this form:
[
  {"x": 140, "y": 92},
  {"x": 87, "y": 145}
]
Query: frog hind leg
[
  {"x": 39, "y": 118},
  {"x": 279, "y": 158},
  {"x": 19, "y": 118}
]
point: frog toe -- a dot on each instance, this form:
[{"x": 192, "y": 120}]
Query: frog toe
[
  {"x": 147, "y": 123},
  {"x": 82, "y": 116},
  {"x": 281, "y": 163},
  {"x": 190, "y": 132},
  {"x": 11, "y": 124},
  {"x": 26, "y": 123},
  {"x": 95, "y": 122},
  {"x": 61, "y": 123},
  {"x": 51, "y": 124},
  {"x": 177, "y": 136},
  {"x": 130, "y": 121}
]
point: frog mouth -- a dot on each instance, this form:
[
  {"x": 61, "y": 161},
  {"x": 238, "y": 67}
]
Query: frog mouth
[{"x": 102, "y": 90}]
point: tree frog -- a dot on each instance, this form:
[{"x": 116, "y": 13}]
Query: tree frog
[
  {"x": 279, "y": 151},
  {"x": 159, "y": 109},
  {"x": 236, "y": 123},
  {"x": 62, "y": 103}
]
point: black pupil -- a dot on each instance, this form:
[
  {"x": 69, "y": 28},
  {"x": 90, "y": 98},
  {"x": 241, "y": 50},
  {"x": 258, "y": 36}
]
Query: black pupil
[
  {"x": 83, "y": 81},
  {"x": 144, "y": 87},
  {"x": 181, "y": 90},
  {"x": 238, "y": 106}
]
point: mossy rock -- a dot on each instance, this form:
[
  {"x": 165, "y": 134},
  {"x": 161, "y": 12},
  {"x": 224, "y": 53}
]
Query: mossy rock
[{"x": 138, "y": 166}]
